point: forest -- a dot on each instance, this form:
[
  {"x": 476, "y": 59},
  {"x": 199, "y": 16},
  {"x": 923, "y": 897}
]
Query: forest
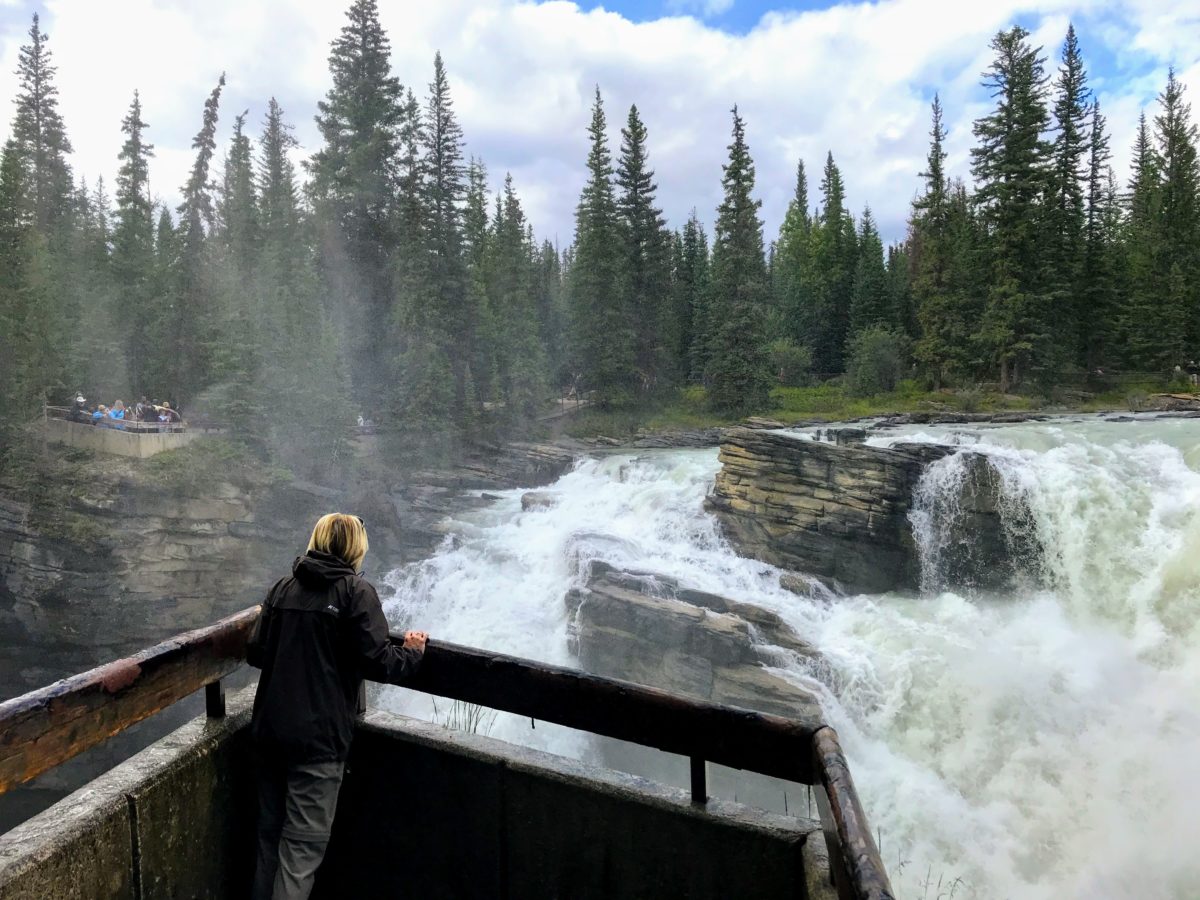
[{"x": 385, "y": 278}]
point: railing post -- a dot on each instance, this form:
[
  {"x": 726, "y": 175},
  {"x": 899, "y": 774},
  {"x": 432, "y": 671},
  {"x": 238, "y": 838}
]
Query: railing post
[
  {"x": 699, "y": 781},
  {"x": 214, "y": 699}
]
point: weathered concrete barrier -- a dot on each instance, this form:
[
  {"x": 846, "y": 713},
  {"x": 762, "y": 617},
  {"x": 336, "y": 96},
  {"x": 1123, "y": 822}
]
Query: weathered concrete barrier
[
  {"x": 423, "y": 812},
  {"x": 139, "y": 444}
]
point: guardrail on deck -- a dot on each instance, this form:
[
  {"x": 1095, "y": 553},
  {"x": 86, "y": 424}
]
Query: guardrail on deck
[{"x": 46, "y": 727}]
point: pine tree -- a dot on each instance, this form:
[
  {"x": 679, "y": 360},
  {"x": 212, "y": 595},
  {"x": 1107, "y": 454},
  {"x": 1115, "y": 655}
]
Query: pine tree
[
  {"x": 39, "y": 134},
  {"x": 1011, "y": 169},
  {"x": 691, "y": 292},
  {"x": 133, "y": 247},
  {"x": 602, "y": 335},
  {"x": 354, "y": 184},
  {"x": 442, "y": 139},
  {"x": 794, "y": 302},
  {"x": 476, "y": 250},
  {"x": 646, "y": 262},
  {"x": 832, "y": 259},
  {"x": 237, "y": 205},
  {"x": 1066, "y": 211},
  {"x": 1179, "y": 224},
  {"x": 1097, "y": 289},
  {"x": 739, "y": 290},
  {"x": 870, "y": 304},
  {"x": 191, "y": 328},
  {"x": 1144, "y": 320}
]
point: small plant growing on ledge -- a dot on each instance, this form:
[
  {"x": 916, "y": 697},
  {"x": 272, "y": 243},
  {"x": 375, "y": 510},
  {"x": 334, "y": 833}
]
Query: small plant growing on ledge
[{"x": 468, "y": 717}]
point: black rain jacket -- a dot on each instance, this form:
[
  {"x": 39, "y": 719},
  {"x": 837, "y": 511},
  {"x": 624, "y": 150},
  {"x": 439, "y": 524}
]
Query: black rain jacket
[{"x": 320, "y": 633}]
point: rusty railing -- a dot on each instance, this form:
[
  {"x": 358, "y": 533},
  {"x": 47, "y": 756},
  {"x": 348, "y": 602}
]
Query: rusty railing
[{"x": 49, "y": 726}]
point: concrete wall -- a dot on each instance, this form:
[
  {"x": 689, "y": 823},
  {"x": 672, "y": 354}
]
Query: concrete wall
[
  {"x": 423, "y": 812},
  {"x": 140, "y": 445}
]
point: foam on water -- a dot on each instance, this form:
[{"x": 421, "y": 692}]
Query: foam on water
[{"x": 1032, "y": 745}]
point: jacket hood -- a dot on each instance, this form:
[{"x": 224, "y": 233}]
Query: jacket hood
[{"x": 317, "y": 569}]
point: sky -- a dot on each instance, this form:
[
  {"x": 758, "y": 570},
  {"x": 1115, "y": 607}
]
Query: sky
[{"x": 809, "y": 78}]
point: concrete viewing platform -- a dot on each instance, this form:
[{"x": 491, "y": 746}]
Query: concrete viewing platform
[
  {"x": 102, "y": 439},
  {"x": 426, "y": 811}
]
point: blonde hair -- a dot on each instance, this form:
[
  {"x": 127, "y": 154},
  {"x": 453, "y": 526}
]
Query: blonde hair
[{"x": 342, "y": 536}]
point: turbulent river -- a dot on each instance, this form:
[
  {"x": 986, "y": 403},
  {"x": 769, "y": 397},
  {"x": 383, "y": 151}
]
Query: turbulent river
[{"x": 1044, "y": 743}]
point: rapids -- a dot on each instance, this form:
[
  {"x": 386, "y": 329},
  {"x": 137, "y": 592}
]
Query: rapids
[{"x": 1037, "y": 744}]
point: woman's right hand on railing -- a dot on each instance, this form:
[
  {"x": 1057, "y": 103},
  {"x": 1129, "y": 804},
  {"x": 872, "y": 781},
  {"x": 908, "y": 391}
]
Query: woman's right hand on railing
[{"x": 415, "y": 640}]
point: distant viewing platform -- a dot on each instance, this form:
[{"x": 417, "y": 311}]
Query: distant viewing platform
[{"x": 140, "y": 440}]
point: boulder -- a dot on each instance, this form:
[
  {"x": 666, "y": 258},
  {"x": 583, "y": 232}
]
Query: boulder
[
  {"x": 538, "y": 500},
  {"x": 648, "y": 628}
]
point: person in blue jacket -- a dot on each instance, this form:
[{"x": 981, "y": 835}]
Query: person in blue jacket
[{"x": 117, "y": 413}]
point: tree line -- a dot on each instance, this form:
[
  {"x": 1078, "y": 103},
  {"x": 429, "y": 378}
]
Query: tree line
[{"x": 387, "y": 279}]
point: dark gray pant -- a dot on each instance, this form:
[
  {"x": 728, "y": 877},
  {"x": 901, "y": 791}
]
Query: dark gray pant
[{"x": 295, "y": 812}]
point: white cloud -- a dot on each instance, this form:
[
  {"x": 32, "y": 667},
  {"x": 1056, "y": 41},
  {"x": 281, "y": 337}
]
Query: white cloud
[{"x": 855, "y": 79}]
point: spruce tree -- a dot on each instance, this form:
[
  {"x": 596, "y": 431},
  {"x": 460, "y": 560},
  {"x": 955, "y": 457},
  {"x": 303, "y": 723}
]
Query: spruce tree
[
  {"x": 442, "y": 143},
  {"x": 794, "y": 303},
  {"x": 602, "y": 334},
  {"x": 1097, "y": 288},
  {"x": 1066, "y": 211},
  {"x": 353, "y": 186},
  {"x": 829, "y": 280},
  {"x": 739, "y": 376},
  {"x": 646, "y": 262},
  {"x": 870, "y": 304},
  {"x": 138, "y": 315},
  {"x": 191, "y": 327},
  {"x": 1144, "y": 315},
  {"x": 1011, "y": 169},
  {"x": 39, "y": 134},
  {"x": 237, "y": 205},
  {"x": 1178, "y": 236},
  {"x": 691, "y": 292}
]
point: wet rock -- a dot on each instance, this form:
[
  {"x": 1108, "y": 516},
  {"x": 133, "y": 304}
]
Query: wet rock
[
  {"x": 538, "y": 500},
  {"x": 841, "y": 512},
  {"x": 646, "y": 627}
]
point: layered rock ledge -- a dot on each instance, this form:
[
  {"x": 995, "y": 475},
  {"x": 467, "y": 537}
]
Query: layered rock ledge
[{"x": 840, "y": 511}]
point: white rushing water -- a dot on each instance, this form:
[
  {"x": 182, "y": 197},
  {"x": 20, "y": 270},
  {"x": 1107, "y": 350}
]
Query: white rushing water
[{"x": 1039, "y": 744}]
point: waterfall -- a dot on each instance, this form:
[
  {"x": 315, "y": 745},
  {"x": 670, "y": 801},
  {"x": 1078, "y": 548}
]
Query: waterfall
[{"x": 1034, "y": 742}]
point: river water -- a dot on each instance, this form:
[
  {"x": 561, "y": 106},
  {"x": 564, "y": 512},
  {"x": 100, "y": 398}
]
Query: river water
[{"x": 1042, "y": 743}]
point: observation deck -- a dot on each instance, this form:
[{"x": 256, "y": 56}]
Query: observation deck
[{"x": 424, "y": 810}]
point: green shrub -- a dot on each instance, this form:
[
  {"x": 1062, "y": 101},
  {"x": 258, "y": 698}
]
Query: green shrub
[
  {"x": 790, "y": 362},
  {"x": 876, "y": 362}
]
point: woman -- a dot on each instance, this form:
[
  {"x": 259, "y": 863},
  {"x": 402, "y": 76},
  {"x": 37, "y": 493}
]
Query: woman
[{"x": 320, "y": 633}]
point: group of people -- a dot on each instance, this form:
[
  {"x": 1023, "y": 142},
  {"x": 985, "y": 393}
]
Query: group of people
[{"x": 149, "y": 415}]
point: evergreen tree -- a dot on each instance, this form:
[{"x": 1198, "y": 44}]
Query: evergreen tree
[
  {"x": 1097, "y": 288},
  {"x": 442, "y": 139},
  {"x": 794, "y": 302},
  {"x": 1144, "y": 317},
  {"x": 738, "y": 370},
  {"x": 870, "y": 304},
  {"x": 602, "y": 335},
  {"x": 1178, "y": 238},
  {"x": 646, "y": 263},
  {"x": 191, "y": 329},
  {"x": 39, "y": 134},
  {"x": 1011, "y": 169},
  {"x": 353, "y": 185},
  {"x": 691, "y": 292},
  {"x": 832, "y": 259},
  {"x": 237, "y": 205},
  {"x": 1066, "y": 211},
  {"x": 476, "y": 250},
  {"x": 138, "y": 314}
]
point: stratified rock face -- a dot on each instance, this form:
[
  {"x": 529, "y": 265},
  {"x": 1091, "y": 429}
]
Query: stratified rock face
[
  {"x": 646, "y": 628},
  {"x": 839, "y": 512}
]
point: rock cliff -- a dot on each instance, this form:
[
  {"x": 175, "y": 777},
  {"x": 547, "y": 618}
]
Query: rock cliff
[{"x": 840, "y": 511}]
